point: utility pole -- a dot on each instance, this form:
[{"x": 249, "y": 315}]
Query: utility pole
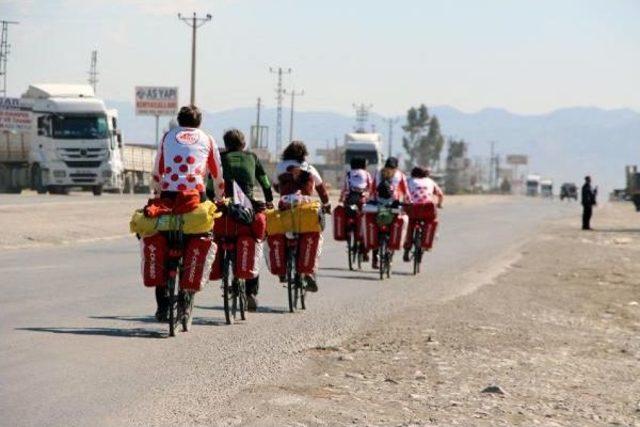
[
  {"x": 194, "y": 22},
  {"x": 256, "y": 142},
  {"x": 93, "y": 71},
  {"x": 4, "y": 53},
  {"x": 362, "y": 116},
  {"x": 491, "y": 160},
  {"x": 391, "y": 122},
  {"x": 279, "y": 98},
  {"x": 293, "y": 94}
]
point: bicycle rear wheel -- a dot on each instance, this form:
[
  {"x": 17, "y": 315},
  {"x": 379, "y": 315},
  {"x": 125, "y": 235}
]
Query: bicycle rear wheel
[
  {"x": 417, "y": 251},
  {"x": 226, "y": 289},
  {"x": 241, "y": 297},
  {"x": 171, "y": 287},
  {"x": 291, "y": 280},
  {"x": 350, "y": 249},
  {"x": 303, "y": 294},
  {"x": 382, "y": 258}
]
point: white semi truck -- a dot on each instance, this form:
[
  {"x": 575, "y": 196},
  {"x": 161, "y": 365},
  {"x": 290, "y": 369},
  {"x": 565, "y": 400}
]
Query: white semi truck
[
  {"x": 69, "y": 140},
  {"x": 366, "y": 145}
]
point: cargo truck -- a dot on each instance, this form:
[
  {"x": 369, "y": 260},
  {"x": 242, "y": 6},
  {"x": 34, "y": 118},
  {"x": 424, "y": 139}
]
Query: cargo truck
[{"x": 67, "y": 139}]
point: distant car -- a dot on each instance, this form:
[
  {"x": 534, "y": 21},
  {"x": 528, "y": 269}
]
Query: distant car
[{"x": 568, "y": 190}]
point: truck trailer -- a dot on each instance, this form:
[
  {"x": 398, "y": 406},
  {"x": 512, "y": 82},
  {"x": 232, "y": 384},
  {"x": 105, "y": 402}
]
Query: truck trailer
[{"x": 68, "y": 140}]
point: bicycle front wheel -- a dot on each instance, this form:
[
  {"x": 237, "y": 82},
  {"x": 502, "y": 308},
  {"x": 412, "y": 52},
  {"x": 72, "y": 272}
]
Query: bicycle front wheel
[{"x": 350, "y": 250}]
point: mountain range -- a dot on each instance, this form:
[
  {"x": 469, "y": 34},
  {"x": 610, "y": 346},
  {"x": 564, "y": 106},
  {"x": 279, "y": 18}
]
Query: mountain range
[{"x": 564, "y": 145}]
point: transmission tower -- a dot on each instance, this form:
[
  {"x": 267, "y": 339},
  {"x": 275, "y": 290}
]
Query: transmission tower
[
  {"x": 93, "y": 71},
  {"x": 362, "y": 116},
  {"x": 279, "y": 98},
  {"x": 4, "y": 53}
]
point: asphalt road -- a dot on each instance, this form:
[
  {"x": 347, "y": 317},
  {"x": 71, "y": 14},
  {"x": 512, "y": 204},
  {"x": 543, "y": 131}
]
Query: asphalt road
[{"x": 79, "y": 346}]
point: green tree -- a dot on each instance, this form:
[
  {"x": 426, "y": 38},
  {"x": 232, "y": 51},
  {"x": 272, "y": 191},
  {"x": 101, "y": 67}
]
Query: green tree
[{"x": 423, "y": 140}]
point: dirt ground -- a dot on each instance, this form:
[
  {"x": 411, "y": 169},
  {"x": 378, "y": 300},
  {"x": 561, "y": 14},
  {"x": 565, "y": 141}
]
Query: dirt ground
[{"x": 552, "y": 341}]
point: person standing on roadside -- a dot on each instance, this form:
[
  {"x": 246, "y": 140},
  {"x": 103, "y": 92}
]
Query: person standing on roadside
[{"x": 588, "y": 202}]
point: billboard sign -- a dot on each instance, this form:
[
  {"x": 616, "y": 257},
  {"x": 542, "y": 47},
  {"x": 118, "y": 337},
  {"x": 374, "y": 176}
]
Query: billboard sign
[
  {"x": 156, "y": 101},
  {"x": 12, "y": 118},
  {"x": 517, "y": 159}
]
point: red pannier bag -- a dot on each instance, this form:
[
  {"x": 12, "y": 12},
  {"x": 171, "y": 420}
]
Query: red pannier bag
[
  {"x": 396, "y": 232},
  {"x": 227, "y": 226},
  {"x": 369, "y": 230},
  {"x": 248, "y": 255},
  {"x": 216, "y": 268},
  {"x": 340, "y": 222},
  {"x": 427, "y": 238},
  {"x": 277, "y": 260},
  {"x": 423, "y": 211},
  {"x": 308, "y": 245},
  {"x": 154, "y": 251},
  {"x": 197, "y": 259}
]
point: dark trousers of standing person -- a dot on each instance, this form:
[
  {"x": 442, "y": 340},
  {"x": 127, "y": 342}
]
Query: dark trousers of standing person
[{"x": 587, "y": 211}]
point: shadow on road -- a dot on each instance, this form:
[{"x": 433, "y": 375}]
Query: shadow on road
[
  {"x": 616, "y": 230},
  {"x": 108, "y": 332},
  {"x": 261, "y": 309},
  {"x": 145, "y": 319},
  {"x": 348, "y": 277}
]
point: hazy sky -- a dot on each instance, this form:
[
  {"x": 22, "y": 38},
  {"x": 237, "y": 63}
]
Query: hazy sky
[{"x": 525, "y": 56}]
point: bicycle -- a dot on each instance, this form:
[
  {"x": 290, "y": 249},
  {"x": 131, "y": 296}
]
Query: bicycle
[
  {"x": 384, "y": 219},
  {"x": 234, "y": 294},
  {"x": 422, "y": 214},
  {"x": 180, "y": 302},
  {"x": 355, "y": 247}
]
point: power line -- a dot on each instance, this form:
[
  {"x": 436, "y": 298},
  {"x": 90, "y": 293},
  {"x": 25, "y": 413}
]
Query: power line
[
  {"x": 4, "y": 53},
  {"x": 279, "y": 98},
  {"x": 194, "y": 22},
  {"x": 362, "y": 116},
  {"x": 93, "y": 71},
  {"x": 293, "y": 94},
  {"x": 391, "y": 121}
]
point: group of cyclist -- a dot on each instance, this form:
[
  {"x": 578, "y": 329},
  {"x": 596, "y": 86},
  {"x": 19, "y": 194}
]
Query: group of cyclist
[
  {"x": 390, "y": 187},
  {"x": 188, "y": 159}
]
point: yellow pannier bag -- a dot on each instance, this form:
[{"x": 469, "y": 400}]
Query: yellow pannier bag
[
  {"x": 198, "y": 221},
  {"x": 301, "y": 219}
]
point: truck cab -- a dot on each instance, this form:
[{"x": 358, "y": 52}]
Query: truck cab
[
  {"x": 546, "y": 188},
  {"x": 365, "y": 145},
  {"x": 533, "y": 185},
  {"x": 71, "y": 138}
]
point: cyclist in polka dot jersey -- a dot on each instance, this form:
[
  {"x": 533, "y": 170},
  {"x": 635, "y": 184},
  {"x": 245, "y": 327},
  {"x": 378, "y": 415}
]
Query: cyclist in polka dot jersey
[
  {"x": 185, "y": 157},
  {"x": 422, "y": 189}
]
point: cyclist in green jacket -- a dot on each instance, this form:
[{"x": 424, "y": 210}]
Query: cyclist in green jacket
[{"x": 245, "y": 169}]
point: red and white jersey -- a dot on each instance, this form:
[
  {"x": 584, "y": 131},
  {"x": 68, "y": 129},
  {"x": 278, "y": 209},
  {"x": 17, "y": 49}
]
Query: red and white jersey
[
  {"x": 357, "y": 180},
  {"x": 184, "y": 158},
  {"x": 398, "y": 185},
  {"x": 424, "y": 190}
]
